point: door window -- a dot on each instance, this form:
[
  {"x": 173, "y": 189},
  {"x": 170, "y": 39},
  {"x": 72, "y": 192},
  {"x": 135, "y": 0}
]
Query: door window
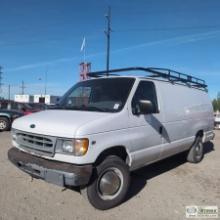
[{"x": 145, "y": 91}]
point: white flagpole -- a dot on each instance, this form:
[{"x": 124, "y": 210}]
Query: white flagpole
[{"x": 83, "y": 49}]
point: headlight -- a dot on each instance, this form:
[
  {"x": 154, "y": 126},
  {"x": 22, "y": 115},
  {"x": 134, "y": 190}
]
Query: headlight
[
  {"x": 77, "y": 147},
  {"x": 68, "y": 146}
]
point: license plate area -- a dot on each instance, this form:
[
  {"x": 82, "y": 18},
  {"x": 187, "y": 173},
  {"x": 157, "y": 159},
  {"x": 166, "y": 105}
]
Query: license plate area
[{"x": 53, "y": 177}]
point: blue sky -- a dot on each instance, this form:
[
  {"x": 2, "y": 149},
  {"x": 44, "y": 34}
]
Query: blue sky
[{"x": 46, "y": 35}]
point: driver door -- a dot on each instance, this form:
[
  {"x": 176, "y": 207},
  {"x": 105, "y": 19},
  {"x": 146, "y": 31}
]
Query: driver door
[{"x": 145, "y": 129}]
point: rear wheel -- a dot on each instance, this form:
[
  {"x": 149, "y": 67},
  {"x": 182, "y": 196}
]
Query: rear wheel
[
  {"x": 4, "y": 124},
  {"x": 110, "y": 184},
  {"x": 196, "y": 153}
]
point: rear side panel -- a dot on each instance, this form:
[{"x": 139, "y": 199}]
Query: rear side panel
[{"x": 185, "y": 112}]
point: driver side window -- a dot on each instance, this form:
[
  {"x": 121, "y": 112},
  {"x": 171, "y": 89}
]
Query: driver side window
[{"x": 145, "y": 91}]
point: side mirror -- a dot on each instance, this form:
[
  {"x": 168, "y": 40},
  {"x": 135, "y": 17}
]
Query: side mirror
[{"x": 145, "y": 107}]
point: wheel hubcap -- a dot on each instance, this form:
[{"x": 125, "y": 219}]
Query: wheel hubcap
[
  {"x": 110, "y": 183},
  {"x": 2, "y": 125},
  {"x": 198, "y": 149}
]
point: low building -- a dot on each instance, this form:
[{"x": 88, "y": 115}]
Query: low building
[
  {"x": 47, "y": 99},
  {"x": 24, "y": 98}
]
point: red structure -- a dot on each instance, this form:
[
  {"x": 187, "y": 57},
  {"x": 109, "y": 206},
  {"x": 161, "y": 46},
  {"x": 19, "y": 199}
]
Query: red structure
[{"x": 85, "y": 68}]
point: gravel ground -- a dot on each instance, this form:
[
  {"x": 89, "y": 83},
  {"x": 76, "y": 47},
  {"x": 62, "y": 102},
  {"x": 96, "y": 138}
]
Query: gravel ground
[{"x": 159, "y": 191}]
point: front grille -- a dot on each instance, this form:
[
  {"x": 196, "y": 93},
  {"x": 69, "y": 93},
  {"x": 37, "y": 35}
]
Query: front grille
[{"x": 40, "y": 144}]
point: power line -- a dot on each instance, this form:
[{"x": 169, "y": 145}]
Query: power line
[
  {"x": 51, "y": 39},
  {"x": 159, "y": 29},
  {"x": 176, "y": 28}
]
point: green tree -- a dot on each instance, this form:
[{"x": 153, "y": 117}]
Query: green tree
[
  {"x": 218, "y": 96},
  {"x": 216, "y": 103}
]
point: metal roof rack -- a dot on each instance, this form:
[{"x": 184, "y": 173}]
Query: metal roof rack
[{"x": 170, "y": 75}]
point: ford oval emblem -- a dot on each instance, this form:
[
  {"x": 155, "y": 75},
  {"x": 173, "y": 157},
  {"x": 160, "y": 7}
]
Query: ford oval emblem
[{"x": 32, "y": 126}]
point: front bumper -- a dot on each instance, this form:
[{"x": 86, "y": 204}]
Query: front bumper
[{"x": 59, "y": 173}]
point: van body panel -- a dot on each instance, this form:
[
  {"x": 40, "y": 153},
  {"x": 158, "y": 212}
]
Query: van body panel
[
  {"x": 183, "y": 111},
  {"x": 144, "y": 129},
  {"x": 58, "y": 123}
]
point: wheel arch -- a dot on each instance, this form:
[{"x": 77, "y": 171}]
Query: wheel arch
[
  {"x": 119, "y": 150},
  {"x": 200, "y": 133},
  {"x": 5, "y": 116}
]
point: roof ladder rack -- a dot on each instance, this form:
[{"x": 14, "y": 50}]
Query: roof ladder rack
[{"x": 170, "y": 75}]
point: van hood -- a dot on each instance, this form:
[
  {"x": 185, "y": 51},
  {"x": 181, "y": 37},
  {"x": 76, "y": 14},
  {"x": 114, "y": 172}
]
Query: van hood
[{"x": 64, "y": 123}]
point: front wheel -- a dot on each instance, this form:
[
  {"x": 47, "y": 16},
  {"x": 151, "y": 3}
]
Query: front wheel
[
  {"x": 110, "y": 184},
  {"x": 4, "y": 124},
  {"x": 196, "y": 152}
]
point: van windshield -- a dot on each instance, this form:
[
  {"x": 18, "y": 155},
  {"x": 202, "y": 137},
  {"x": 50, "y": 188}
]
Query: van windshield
[{"x": 102, "y": 95}]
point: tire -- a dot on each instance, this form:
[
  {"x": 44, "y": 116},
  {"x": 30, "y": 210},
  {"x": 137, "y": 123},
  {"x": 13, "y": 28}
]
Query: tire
[
  {"x": 110, "y": 184},
  {"x": 196, "y": 152},
  {"x": 4, "y": 124}
]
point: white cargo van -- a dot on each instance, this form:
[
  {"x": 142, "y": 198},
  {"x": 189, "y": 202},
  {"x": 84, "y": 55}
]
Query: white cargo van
[{"x": 107, "y": 126}]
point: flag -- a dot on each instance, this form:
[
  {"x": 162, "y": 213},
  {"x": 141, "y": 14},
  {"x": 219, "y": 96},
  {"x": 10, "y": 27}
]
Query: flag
[{"x": 83, "y": 44}]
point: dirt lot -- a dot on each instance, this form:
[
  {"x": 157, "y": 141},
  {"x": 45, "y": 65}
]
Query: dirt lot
[{"x": 159, "y": 191}]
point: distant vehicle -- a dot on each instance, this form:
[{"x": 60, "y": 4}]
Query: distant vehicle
[
  {"x": 103, "y": 128},
  {"x": 217, "y": 121},
  {"x": 10, "y": 110},
  {"x": 38, "y": 106},
  {"x": 25, "y": 108},
  {"x": 7, "y": 117}
]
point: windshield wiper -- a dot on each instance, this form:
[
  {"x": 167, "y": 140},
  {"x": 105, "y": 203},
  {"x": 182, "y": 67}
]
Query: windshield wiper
[
  {"x": 81, "y": 108},
  {"x": 84, "y": 108},
  {"x": 94, "y": 108}
]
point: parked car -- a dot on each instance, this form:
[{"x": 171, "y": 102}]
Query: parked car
[
  {"x": 10, "y": 110},
  {"x": 217, "y": 121},
  {"x": 105, "y": 127},
  {"x": 38, "y": 106},
  {"x": 17, "y": 106},
  {"x": 7, "y": 117}
]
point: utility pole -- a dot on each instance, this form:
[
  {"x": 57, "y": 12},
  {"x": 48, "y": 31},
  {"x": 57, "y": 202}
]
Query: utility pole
[
  {"x": 22, "y": 87},
  {"x": 108, "y": 35},
  {"x": 1, "y": 84}
]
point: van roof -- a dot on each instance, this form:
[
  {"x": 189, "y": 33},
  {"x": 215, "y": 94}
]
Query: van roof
[{"x": 154, "y": 73}]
